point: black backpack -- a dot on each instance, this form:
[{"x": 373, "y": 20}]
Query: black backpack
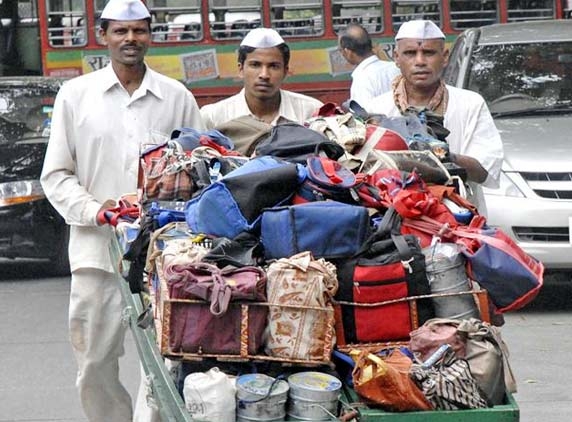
[{"x": 295, "y": 143}]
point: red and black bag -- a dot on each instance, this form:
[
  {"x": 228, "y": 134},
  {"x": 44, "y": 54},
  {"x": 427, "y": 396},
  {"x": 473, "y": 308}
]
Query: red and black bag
[
  {"x": 326, "y": 179},
  {"x": 371, "y": 302}
]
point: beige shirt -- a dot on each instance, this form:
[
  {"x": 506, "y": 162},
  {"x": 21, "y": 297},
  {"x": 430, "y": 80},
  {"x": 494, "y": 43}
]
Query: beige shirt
[
  {"x": 97, "y": 130},
  {"x": 294, "y": 107}
]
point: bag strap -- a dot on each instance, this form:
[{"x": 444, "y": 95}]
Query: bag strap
[
  {"x": 222, "y": 291},
  {"x": 389, "y": 224},
  {"x": 491, "y": 240},
  {"x": 220, "y": 296},
  {"x": 330, "y": 170}
]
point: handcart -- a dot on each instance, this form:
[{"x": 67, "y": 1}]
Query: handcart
[{"x": 172, "y": 408}]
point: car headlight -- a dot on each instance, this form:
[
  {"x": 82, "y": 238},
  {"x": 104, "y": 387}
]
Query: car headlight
[
  {"x": 507, "y": 187},
  {"x": 19, "y": 192}
]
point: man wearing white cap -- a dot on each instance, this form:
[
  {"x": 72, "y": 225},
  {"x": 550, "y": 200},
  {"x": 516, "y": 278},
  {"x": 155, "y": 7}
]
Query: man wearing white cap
[
  {"x": 474, "y": 141},
  {"x": 98, "y": 124},
  {"x": 263, "y": 59},
  {"x": 372, "y": 76}
]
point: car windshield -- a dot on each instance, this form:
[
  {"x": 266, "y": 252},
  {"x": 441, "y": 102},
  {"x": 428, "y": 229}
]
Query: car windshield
[
  {"x": 25, "y": 111},
  {"x": 523, "y": 77}
]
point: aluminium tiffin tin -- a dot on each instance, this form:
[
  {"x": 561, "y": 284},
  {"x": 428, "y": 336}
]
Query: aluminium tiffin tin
[
  {"x": 313, "y": 396},
  {"x": 260, "y": 398}
]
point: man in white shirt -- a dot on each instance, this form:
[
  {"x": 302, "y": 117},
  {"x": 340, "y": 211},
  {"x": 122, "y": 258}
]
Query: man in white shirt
[
  {"x": 99, "y": 122},
  {"x": 474, "y": 141},
  {"x": 263, "y": 59},
  {"x": 372, "y": 76}
]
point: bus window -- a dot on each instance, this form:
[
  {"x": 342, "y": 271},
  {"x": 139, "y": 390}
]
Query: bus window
[
  {"x": 369, "y": 13},
  {"x": 175, "y": 20},
  {"x": 302, "y": 18},
  {"x": 473, "y": 13},
  {"x": 567, "y": 9},
  {"x": 523, "y": 10},
  {"x": 98, "y": 8},
  {"x": 406, "y": 10},
  {"x": 232, "y": 19},
  {"x": 66, "y": 23}
]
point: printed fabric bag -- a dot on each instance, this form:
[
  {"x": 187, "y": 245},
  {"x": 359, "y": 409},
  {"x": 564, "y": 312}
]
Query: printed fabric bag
[
  {"x": 372, "y": 303},
  {"x": 328, "y": 229},
  {"x": 384, "y": 381},
  {"x": 449, "y": 384},
  {"x": 300, "y": 318},
  {"x": 344, "y": 129},
  {"x": 234, "y": 203},
  {"x": 215, "y": 325}
]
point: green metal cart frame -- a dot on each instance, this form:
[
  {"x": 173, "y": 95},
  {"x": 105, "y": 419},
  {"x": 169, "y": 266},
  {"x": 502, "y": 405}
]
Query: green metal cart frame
[{"x": 172, "y": 408}]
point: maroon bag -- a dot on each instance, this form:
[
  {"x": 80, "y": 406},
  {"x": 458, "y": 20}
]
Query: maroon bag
[{"x": 216, "y": 325}]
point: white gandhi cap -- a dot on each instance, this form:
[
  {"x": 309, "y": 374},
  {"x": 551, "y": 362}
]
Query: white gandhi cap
[
  {"x": 262, "y": 38},
  {"x": 420, "y": 30},
  {"x": 125, "y": 10}
]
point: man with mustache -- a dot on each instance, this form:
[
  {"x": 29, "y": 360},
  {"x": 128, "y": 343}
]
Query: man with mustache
[
  {"x": 474, "y": 141},
  {"x": 99, "y": 122},
  {"x": 263, "y": 59}
]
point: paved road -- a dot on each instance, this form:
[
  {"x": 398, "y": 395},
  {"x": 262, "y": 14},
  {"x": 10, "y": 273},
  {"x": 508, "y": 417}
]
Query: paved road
[{"x": 37, "y": 369}]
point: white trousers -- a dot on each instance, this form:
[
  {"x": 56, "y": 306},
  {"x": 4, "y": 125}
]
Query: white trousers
[{"x": 97, "y": 334}]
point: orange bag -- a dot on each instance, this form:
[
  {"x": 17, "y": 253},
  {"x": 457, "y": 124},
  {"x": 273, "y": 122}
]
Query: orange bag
[{"x": 385, "y": 381}]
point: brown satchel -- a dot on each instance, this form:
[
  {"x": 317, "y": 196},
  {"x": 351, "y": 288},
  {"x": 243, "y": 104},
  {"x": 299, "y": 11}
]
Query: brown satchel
[{"x": 385, "y": 381}]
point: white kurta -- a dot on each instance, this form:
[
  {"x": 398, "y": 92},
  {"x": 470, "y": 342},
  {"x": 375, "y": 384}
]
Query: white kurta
[
  {"x": 93, "y": 152},
  {"x": 372, "y": 77},
  {"x": 473, "y": 133},
  {"x": 294, "y": 107}
]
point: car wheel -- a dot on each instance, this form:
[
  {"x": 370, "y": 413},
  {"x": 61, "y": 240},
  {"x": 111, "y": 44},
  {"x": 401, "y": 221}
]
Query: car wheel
[{"x": 60, "y": 263}]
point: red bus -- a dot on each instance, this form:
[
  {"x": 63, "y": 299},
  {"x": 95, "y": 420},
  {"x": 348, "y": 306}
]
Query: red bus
[{"x": 195, "y": 41}]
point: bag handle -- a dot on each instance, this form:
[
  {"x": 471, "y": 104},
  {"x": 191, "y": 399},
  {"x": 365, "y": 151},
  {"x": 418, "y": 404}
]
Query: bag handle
[
  {"x": 220, "y": 296},
  {"x": 389, "y": 224},
  {"x": 221, "y": 292},
  {"x": 330, "y": 170}
]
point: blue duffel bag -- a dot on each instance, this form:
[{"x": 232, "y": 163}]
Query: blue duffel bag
[
  {"x": 234, "y": 203},
  {"x": 328, "y": 229}
]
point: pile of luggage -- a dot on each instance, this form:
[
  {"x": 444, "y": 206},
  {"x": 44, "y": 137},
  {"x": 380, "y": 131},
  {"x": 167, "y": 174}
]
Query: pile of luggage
[{"x": 327, "y": 249}]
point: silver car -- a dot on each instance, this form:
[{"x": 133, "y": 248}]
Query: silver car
[{"x": 524, "y": 72}]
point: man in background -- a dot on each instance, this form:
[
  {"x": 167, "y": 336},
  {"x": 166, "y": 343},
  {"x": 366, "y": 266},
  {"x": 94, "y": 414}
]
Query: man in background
[
  {"x": 263, "y": 59},
  {"x": 372, "y": 76}
]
